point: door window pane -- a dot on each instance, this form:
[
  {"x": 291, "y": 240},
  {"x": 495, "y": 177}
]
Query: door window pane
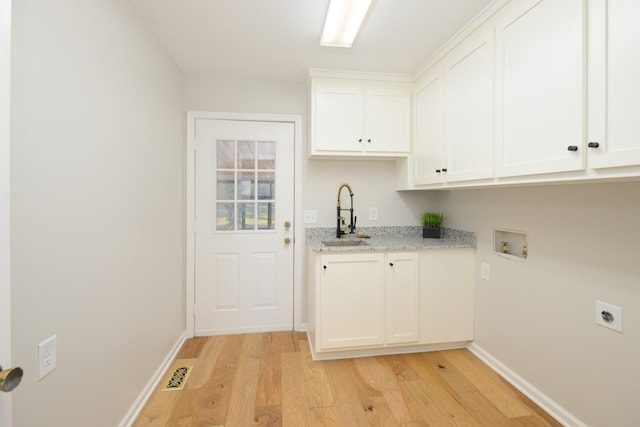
[
  {"x": 266, "y": 155},
  {"x": 246, "y": 185},
  {"x": 224, "y": 216},
  {"x": 266, "y": 185},
  {"x": 225, "y": 154},
  {"x": 245, "y": 174},
  {"x": 266, "y": 216},
  {"x": 246, "y": 216},
  {"x": 225, "y": 185},
  {"x": 246, "y": 154}
]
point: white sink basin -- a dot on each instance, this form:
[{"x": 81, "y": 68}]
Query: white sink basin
[{"x": 344, "y": 243}]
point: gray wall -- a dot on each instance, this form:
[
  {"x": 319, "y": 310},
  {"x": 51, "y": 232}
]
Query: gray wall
[
  {"x": 538, "y": 316},
  {"x": 97, "y": 208}
]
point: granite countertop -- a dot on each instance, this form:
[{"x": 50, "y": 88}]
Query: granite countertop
[{"x": 394, "y": 238}]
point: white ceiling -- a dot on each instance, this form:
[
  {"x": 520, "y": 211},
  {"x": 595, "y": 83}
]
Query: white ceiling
[{"x": 279, "y": 39}]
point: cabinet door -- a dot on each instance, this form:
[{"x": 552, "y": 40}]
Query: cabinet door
[
  {"x": 337, "y": 117},
  {"x": 387, "y": 120},
  {"x": 614, "y": 86},
  {"x": 540, "y": 87},
  {"x": 402, "y": 298},
  {"x": 429, "y": 127},
  {"x": 469, "y": 109},
  {"x": 446, "y": 295},
  {"x": 351, "y": 300}
]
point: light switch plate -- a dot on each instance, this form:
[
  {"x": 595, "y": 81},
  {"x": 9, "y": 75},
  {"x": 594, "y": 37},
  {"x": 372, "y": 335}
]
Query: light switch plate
[{"x": 310, "y": 216}]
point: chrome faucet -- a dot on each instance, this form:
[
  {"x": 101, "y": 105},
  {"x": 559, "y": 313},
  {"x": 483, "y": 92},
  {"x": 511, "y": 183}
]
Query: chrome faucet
[{"x": 341, "y": 226}]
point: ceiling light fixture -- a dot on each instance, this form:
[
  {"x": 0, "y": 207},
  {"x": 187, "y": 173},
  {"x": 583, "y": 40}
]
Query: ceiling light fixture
[{"x": 343, "y": 22}]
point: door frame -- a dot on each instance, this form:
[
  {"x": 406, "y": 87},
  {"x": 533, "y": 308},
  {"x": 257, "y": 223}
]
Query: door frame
[
  {"x": 5, "y": 204},
  {"x": 298, "y": 229}
]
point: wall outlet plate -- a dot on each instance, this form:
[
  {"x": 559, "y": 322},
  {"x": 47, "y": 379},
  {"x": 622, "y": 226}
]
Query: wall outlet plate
[
  {"x": 47, "y": 357},
  {"x": 485, "y": 271},
  {"x": 609, "y": 316},
  {"x": 373, "y": 214}
]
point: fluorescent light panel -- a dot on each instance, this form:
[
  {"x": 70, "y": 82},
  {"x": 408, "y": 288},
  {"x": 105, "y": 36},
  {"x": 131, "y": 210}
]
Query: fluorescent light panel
[{"x": 344, "y": 19}]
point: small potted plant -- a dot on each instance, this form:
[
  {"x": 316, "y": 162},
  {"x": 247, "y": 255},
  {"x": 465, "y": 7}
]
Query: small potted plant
[{"x": 431, "y": 222}]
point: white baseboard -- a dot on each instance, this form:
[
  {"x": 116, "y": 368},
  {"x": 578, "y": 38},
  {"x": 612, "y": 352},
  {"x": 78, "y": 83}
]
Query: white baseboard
[
  {"x": 146, "y": 392},
  {"x": 538, "y": 397}
]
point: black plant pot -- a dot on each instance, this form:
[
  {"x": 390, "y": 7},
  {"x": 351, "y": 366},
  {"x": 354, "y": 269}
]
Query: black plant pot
[{"x": 432, "y": 233}]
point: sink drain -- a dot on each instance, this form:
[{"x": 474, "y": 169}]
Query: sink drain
[{"x": 178, "y": 379}]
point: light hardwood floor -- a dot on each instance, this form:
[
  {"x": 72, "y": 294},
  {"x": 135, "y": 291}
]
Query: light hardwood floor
[{"x": 269, "y": 379}]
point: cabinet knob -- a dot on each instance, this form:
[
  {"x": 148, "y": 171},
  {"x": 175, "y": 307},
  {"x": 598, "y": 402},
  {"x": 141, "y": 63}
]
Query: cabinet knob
[
  {"x": 390, "y": 264},
  {"x": 593, "y": 145},
  {"x": 572, "y": 148},
  {"x": 369, "y": 140},
  {"x": 444, "y": 169},
  {"x": 360, "y": 140},
  {"x": 437, "y": 170},
  {"x": 324, "y": 266}
]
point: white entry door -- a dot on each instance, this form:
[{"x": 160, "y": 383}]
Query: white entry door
[{"x": 244, "y": 187}]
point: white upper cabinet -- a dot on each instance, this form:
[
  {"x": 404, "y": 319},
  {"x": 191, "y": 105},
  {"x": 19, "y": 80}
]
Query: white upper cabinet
[
  {"x": 351, "y": 117},
  {"x": 540, "y": 87},
  {"x": 453, "y": 115},
  {"x": 388, "y": 118},
  {"x": 338, "y": 116},
  {"x": 428, "y": 110},
  {"x": 469, "y": 109},
  {"x": 614, "y": 86}
]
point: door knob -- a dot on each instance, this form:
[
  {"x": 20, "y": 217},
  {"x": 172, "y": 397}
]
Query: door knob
[
  {"x": 287, "y": 225},
  {"x": 10, "y": 378},
  {"x": 287, "y": 240}
]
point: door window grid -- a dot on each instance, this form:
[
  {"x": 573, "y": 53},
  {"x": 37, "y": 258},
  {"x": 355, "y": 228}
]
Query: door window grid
[{"x": 245, "y": 185}]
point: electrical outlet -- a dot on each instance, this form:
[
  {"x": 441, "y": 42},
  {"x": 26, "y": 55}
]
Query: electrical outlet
[
  {"x": 485, "y": 272},
  {"x": 609, "y": 316},
  {"x": 373, "y": 214},
  {"x": 47, "y": 357},
  {"x": 310, "y": 216}
]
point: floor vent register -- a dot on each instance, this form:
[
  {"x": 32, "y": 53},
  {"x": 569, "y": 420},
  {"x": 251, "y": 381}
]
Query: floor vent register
[{"x": 178, "y": 379}]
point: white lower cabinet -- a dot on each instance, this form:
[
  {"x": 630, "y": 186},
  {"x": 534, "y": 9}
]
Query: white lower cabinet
[
  {"x": 376, "y": 301},
  {"x": 351, "y": 300},
  {"x": 446, "y": 297},
  {"x": 402, "y": 304}
]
